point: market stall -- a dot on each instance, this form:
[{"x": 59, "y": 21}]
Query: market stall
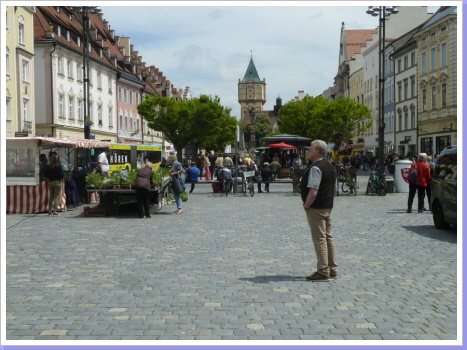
[{"x": 26, "y": 192}]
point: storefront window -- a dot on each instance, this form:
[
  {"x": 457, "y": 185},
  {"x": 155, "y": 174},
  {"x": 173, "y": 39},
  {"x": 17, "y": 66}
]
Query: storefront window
[
  {"x": 426, "y": 145},
  {"x": 442, "y": 142},
  {"x": 21, "y": 162}
]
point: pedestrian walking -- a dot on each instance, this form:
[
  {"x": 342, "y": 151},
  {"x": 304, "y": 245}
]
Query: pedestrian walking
[
  {"x": 200, "y": 164},
  {"x": 176, "y": 172},
  {"x": 192, "y": 174},
  {"x": 424, "y": 176},
  {"x": 275, "y": 167},
  {"x": 142, "y": 187},
  {"x": 207, "y": 167},
  {"x": 54, "y": 173},
  {"x": 266, "y": 175},
  {"x": 212, "y": 159},
  {"x": 318, "y": 200}
]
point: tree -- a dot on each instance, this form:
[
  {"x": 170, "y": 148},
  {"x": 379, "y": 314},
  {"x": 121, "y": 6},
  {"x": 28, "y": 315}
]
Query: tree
[
  {"x": 262, "y": 129},
  {"x": 201, "y": 121},
  {"x": 319, "y": 118}
]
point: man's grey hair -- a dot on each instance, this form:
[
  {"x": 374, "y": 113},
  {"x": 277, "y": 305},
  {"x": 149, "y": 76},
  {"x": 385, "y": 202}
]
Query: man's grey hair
[
  {"x": 321, "y": 147},
  {"x": 422, "y": 156},
  {"x": 149, "y": 164}
]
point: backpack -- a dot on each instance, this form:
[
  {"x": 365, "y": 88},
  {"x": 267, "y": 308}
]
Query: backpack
[{"x": 413, "y": 176}]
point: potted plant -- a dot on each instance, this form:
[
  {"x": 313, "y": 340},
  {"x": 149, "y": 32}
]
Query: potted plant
[
  {"x": 184, "y": 196},
  {"x": 94, "y": 180},
  {"x": 115, "y": 179}
]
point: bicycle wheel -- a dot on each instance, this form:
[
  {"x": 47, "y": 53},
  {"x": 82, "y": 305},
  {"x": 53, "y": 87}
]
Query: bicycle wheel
[
  {"x": 382, "y": 187},
  {"x": 244, "y": 187},
  {"x": 353, "y": 186},
  {"x": 252, "y": 189},
  {"x": 345, "y": 187},
  {"x": 368, "y": 186}
]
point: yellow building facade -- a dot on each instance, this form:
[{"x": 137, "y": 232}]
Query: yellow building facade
[
  {"x": 19, "y": 95},
  {"x": 437, "y": 88}
]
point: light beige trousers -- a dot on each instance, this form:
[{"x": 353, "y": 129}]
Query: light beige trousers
[{"x": 319, "y": 221}]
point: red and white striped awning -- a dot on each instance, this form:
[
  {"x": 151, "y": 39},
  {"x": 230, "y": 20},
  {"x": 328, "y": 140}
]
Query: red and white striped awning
[{"x": 66, "y": 141}]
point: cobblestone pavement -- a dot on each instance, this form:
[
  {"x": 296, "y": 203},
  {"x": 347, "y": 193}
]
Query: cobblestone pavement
[{"x": 232, "y": 268}]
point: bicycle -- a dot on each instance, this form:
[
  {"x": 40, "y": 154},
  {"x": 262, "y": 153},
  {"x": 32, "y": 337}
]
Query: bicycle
[
  {"x": 226, "y": 185},
  {"x": 297, "y": 177},
  {"x": 376, "y": 182},
  {"x": 248, "y": 184},
  {"x": 349, "y": 182}
]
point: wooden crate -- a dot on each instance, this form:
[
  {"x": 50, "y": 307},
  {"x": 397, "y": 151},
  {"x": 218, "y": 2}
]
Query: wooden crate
[{"x": 95, "y": 211}]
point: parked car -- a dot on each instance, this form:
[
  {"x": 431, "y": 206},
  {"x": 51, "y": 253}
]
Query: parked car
[{"x": 444, "y": 189}]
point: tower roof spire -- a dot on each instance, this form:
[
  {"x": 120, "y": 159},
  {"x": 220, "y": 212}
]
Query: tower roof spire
[{"x": 251, "y": 72}]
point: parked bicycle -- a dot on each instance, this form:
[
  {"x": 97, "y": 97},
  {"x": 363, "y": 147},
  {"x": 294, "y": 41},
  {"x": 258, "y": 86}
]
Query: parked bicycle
[
  {"x": 349, "y": 180},
  {"x": 376, "y": 182},
  {"x": 248, "y": 185},
  {"x": 297, "y": 177}
]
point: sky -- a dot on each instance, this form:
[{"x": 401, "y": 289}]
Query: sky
[{"x": 207, "y": 45}]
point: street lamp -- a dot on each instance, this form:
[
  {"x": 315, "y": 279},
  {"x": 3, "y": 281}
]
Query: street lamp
[{"x": 382, "y": 12}]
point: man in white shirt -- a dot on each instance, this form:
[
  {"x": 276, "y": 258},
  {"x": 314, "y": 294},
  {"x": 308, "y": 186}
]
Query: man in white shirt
[{"x": 103, "y": 162}]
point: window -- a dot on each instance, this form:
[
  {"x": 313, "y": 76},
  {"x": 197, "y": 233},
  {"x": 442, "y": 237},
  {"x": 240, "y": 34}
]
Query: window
[
  {"x": 60, "y": 65},
  {"x": 126, "y": 123},
  {"x": 59, "y": 31},
  {"x": 110, "y": 117},
  {"x": 125, "y": 98},
  {"x": 121, "y": 122},
  {"x": 443, "y": 55},
  {"x": 131, "y": 97},
  {"x": 412, "y": 86},
  {"x": 424, "y": 100},
  {"x": 131, "y": 123},
  {"x": 412, "y": 56},
  {"x": 8, "y": 64},
  {"x": 433, "y": 59},
  {"x": 399, "y": 65},
  {"x": 110, "y": 85},
  {"x": 78, "y": 41},
  {"x": 21, "y": 33},
  {"x": 406, "y": 62},
  {"x": 406, "y": 119},
  {"x": 80, "y": 110},
  {"x": 406, "y": 89},
  {"x": 120, "y": 94},
  {"x": 70, "y": 68},
  {"x": 443, "y": 95},
  {"x": 99, "y": 114},
  {"x": 400, "y": 121},
  {"x": 137, "y": 98},
  {"x": 423, "y": 62},
  {"x": 399, "y": 92},
  {"x": 26, "y": 112},
  {"x": 99, "y": 80},
  {"x": 25, "y": 71},
  {"x": 8, "y": 109},
  {"x": 90, "y": 76},
  {"x": 71, "y": 108},
  {"x": 433, "y": 97},
  {"x": 68, "y": 35},
  {"x": 61, "y": 106},
  {"x": 412, "y": 117},
  {"x": 79, "y": 72}
]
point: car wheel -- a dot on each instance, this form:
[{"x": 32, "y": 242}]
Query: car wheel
[{"x": 438, "y": 216}]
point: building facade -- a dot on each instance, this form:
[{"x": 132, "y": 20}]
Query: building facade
[
  {"x": 437, "y": 81},
  {"x": 20, "y": 86}
]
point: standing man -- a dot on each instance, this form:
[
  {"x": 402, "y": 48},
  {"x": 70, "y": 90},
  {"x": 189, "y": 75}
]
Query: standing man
[
  {"x": 103, "y": 162},
  {"x": 318, "y": 200}
]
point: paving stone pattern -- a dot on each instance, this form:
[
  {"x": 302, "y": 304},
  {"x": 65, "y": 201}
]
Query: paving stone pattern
[{"x": 232, "y": 269}]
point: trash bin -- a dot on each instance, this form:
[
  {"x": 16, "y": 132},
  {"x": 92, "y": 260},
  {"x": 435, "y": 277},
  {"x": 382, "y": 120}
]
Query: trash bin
[{"x": 400, "y": 176}]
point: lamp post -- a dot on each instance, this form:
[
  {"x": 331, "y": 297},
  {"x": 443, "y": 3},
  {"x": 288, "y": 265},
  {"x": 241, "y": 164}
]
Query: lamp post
[{"x": 382, "y": 12}]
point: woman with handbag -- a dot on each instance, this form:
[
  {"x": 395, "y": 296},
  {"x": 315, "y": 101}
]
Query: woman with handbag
[{"x": 176, "y": 173}]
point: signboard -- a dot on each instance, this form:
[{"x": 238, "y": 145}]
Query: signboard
[
  {"x": 21, "y": 134},
  {"x": 344, "y": 146},
  {"x": 87, "y": 123}
]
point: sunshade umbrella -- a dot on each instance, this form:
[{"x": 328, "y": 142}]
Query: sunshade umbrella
[{"x": 281, "y": 145}]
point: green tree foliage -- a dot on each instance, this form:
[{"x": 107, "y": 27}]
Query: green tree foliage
[
  {"x": 202, "y": 121},
  {"x": 319, "y": 118},
  {"x": 262, "y": 129}
]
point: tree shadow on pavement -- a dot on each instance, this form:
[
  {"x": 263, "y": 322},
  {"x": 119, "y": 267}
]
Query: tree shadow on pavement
[
  {"x": 273, "y": 278},
  {"x": 449, "y": 235}
]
